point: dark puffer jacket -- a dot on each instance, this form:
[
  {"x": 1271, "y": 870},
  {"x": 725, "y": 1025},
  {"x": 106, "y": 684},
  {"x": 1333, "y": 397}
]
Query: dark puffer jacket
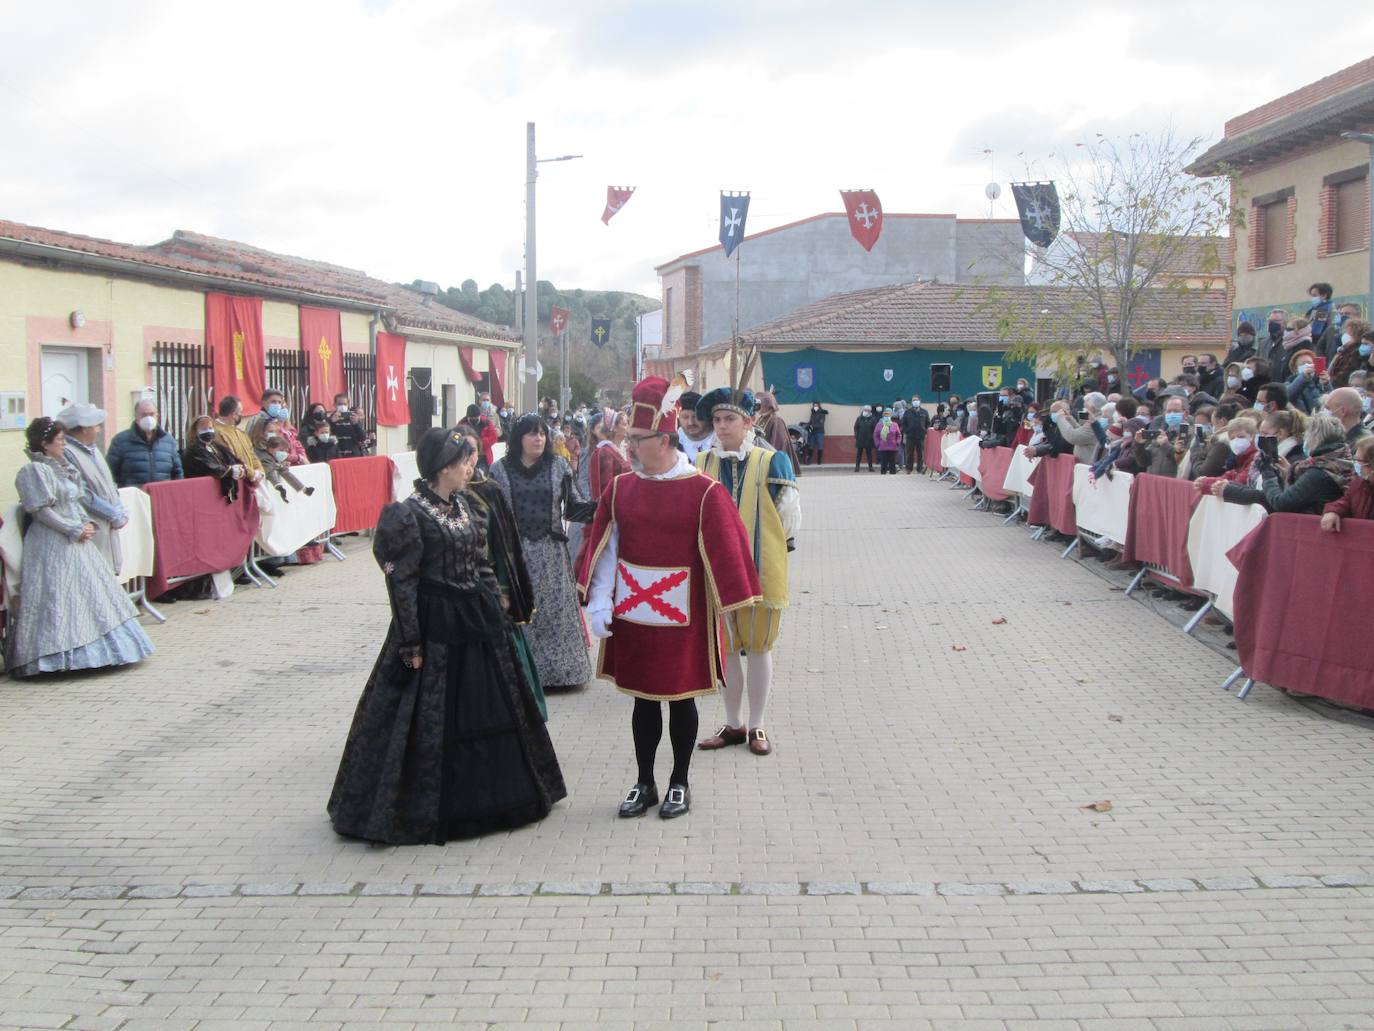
[{"x": 135, "y": 460}]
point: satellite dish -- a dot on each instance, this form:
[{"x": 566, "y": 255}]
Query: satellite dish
[
  {"x": 992, "y": 191},
  {"x": 538, "y": 370}
]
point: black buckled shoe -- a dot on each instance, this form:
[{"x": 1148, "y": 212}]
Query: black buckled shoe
[
  {"x": 639, "y": 799},
  {"x": 677, "y": 801}
]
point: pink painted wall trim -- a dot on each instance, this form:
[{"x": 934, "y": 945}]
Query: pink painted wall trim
[{"x": 45, "y": 330}]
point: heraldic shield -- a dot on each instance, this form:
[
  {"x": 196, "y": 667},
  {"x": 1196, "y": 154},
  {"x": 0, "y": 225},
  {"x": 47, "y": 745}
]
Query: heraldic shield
[{"x": 992, "y": 376}]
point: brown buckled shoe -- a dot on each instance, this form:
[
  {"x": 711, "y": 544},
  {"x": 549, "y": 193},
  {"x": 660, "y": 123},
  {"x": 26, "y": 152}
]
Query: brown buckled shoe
[
  {"x": 726, "y": 735},
  {"x": 759, "y": 743}
]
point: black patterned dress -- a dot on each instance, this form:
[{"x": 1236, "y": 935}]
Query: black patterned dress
[{"x": 456, "y": 748}]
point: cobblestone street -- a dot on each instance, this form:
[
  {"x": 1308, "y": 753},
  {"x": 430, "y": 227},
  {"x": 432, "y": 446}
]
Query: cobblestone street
[{"x": 949, "y": 697}]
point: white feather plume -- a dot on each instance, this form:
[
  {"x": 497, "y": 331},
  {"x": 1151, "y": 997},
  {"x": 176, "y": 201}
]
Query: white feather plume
[{"x": 681, "y": 383}]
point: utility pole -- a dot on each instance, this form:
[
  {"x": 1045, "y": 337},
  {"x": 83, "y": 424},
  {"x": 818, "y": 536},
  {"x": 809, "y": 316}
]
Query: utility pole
[
  {"x": 1367, "y": 137},
  {"x": 529, "y": 390}
]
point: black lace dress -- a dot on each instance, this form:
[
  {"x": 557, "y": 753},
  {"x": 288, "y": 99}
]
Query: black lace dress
[{"x": 457, "y": 747}]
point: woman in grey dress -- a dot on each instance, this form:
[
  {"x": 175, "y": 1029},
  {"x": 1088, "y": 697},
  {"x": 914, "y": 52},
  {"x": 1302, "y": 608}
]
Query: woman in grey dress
[
  {"x": 542, "y": 492},
  {"x": 72, "y": 614}
]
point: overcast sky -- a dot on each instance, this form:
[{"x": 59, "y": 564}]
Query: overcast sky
[{"x": 389, "y": 135}]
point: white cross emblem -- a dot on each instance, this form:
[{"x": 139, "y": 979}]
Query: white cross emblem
[
  {"x": 392, "y": 383},
  {"x": 558, "y": 323},
  {"x": 731, "y": 221},
  {"x": 1038, "y": 214},
  {"x": 866, "y": 215}
]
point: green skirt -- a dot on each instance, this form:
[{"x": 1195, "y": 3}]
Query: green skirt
[{"x": 526, "y": 656}]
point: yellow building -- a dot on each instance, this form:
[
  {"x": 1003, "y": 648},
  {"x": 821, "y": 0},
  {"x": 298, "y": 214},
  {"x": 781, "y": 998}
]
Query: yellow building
[
  {"x": 93, "y": 320},
  {"x": 1303, "y": 192}
]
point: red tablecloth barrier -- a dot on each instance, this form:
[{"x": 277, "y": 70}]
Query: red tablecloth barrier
[
  {"x": 993, "y": 463},
  {"x": 1051, "y": 500},
  {"x": 933, "y": 456},
  {"x": 361, "y": 487},
  {"x": 1157, "y": 524},
  {"x": 1302, "y": 604},
  {"x": 195, "y": 532}
]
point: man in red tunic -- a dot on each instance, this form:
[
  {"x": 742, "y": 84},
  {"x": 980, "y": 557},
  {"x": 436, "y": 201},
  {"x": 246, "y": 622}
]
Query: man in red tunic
[{"x": 665, "y": 558}]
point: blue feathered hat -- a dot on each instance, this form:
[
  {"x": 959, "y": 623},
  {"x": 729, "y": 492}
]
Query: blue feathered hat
[{"x": 742, "y": 402}]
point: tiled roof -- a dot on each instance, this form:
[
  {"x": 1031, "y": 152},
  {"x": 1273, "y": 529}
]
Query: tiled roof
[
  {"x": 968, "y": 316},
  {"x": 256, "y": 268}
]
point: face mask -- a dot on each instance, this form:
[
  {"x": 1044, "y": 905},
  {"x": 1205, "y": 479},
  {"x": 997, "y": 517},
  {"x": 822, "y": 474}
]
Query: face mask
[
  {"x": 1247, "y": 340},
  {"x": 280, "y": 456},
  {"x": 1365, "y": 402},
  {"x": 1304, "y": 369},
  {"x": 1247, "y": 374},
  {"x": 1173, "y": 418},
  {"x": 972, "y": 409},
  {"x": 1359, "y": 470},
  {"x": 205, "y": 436},
  {"x": 341, "y": 409},
  {"x": 1365, "y": 349},
  {"x": 1055, "y": 417},
  {"x": 1317, "y": 302},
  {"x": 1233, "y": 382},
  {"x": 276, "y": 411},
  {"x": 1190, "y": 368},
  {"x": 1275, "y": 328},
  {"x": 323, "y": 438},
  {"x": 148, "y": 423},
  {"x": 1240, "y": 445},
  {"x": 1347, "y": 339},
  {"x": 1111, "y": 378}
]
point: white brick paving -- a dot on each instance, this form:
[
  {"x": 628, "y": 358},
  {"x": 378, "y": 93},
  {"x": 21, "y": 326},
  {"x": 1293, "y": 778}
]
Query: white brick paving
[{"x": 914, "y": 854}]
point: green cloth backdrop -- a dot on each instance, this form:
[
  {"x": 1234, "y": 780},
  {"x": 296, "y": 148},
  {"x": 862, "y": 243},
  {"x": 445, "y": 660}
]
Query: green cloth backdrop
[{"x": 858, "y": 377}]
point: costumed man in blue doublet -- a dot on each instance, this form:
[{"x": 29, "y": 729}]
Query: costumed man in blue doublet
[{"x": 763, "y": 485}]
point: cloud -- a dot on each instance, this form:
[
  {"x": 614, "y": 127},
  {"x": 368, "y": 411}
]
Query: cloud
[{"x": 389, "y": 136}]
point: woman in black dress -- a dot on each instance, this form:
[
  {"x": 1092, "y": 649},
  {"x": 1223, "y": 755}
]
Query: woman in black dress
[{"x": 447, "y": 741}]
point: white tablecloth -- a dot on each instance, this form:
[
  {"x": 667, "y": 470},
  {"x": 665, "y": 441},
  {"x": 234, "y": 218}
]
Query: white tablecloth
[
  {"x": 286, "y": 526},
  {"x": 404, "y": 474},
  {"x": 1017, "y": 480},
  {"x": 964, "y": 456},
  {"x": 1216, "y": 527},
  {"x": 136, "y": 536},
  {"x": 1102, "y": 507},
  {"x": 947, "y": 441}
]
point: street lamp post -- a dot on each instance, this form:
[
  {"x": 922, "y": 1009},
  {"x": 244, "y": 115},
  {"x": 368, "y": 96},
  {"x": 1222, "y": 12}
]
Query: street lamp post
[
  {"x": 530, "y": 344},
  {"x": 1367, "y": 137}
]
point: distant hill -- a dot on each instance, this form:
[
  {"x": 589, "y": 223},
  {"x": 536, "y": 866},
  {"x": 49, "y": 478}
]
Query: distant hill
[{"x": 609, "y": 366}]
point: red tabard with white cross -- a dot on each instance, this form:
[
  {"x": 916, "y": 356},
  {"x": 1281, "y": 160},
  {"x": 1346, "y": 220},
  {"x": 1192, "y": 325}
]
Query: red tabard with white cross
[{"x": 684, "y": 558}]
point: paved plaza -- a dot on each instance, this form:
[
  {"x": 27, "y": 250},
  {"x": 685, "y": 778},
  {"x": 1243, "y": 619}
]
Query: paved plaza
[{"x": 949, "y": 697}]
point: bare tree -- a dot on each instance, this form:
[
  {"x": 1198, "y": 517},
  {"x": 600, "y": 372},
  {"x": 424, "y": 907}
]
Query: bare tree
[{"x": 1138, "y": 235}]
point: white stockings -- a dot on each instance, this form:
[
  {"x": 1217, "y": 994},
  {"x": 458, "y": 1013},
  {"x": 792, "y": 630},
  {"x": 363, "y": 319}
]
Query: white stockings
[{"x": 759, "y": 670}]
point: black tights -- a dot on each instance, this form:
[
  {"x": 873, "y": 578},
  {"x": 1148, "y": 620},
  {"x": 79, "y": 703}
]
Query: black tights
[{"x": 647, "y": 724}]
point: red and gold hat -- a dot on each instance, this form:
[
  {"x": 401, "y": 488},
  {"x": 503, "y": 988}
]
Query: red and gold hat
[{"x": 654, "y": 403}]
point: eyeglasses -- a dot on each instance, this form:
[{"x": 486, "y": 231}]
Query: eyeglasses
[{"x": 636, "y": 441}]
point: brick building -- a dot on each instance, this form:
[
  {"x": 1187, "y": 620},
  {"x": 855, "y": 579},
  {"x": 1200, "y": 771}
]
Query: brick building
[{"x": 1303, "y": 192}]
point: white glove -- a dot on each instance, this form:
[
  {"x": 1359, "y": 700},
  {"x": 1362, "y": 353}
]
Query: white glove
[{"x": 601, "y": 623}]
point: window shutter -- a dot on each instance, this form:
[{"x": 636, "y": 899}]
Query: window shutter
[
  {"x": 1352, "y": 214},
  {"x": 1275, "y": 232}
]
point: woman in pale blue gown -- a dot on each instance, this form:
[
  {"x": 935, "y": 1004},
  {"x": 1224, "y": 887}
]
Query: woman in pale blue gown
[{"x": 71, "y": 612}]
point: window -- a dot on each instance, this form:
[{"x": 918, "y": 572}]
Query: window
[
  {"x": 1273, "y": 235},
  {"x": 1350, "y": 220}
]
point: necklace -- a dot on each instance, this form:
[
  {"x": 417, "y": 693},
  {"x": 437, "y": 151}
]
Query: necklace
[{"x": 456, "y": 518}]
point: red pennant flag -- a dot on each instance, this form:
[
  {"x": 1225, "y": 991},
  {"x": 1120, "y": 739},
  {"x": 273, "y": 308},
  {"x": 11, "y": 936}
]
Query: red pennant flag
[
  {"x": 393, "y": 406},
  {"x": 558, "y": 319},
  {"x": 616, "y": 196},
  {"x": 233, "y": 331},
  {"x": 322, "y": 342},
  {"x": 865, "y": 216}
]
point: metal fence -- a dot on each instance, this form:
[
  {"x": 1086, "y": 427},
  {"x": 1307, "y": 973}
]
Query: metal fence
[
  {"x": 288, "y": 370},
  {"x": 181, "y": 384},
  {"x": 360, "y": 379}
]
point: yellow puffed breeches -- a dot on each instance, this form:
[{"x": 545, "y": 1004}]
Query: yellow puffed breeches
[{"x": 752, "y": 630}]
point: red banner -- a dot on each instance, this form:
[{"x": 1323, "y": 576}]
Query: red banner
[
  {"x": 322, "y": 342},
  {"x": 233, "y": 332},
  {"x": 497, "y": 361},
  {"x": 865, "y": 216},
  {"x": 616, "y": 196},
  {"x": 558, "y": 320},
  {"x": 465, "y": 360},
  {"x": 393, "y": 407}
]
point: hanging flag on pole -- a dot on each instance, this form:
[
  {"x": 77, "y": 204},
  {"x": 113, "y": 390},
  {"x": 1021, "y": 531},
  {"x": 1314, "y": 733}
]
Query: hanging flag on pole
[
  {"x": 616, "y": 197},
  {"x": 393, "y": 405},
  {"x": 865, "y": 215},
  {"x": 734, "y": 209},
  {"x": 558, "y": 320},
  {"x": 601, "y": 331},
  {"x": 1038, "y": 205}
]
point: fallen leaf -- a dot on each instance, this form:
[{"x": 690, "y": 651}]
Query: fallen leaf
[
  {"x": 1113, "y": 717},
  {"x": 960, "y": 648},
  {"x": 199, "y": 612},
  {"x": 1068, "y": 603},
  {"x": 999, "y": 620},
  {"x": 715, "y": 976},
  {"x": 1099, "y": 807}
]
